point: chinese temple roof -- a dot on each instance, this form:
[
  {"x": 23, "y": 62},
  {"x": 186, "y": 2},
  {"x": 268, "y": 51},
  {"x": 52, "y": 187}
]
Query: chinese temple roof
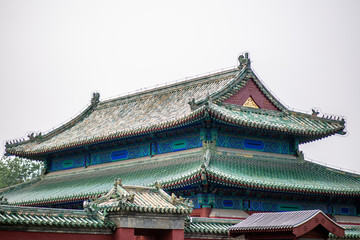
[
  {"x": 221, "y": 226},
  {"x": 236, "y": 168},
  {"x": 35, "y": 216},
  {"x": 287, "y": 221},
  {"x": 220, "y": 95},
  {"x": 139, "y": 199}
]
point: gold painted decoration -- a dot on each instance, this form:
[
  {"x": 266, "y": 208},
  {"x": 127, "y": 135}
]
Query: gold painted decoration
[{"x": 250, "y": 103}]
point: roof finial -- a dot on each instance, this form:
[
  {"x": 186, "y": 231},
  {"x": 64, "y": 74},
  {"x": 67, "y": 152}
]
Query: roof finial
[
  {"x": 244, "y": 61},
  {"x": 3, "y": 201},
  {"x": 117, "y": 182},
  {"x": 192, "y": 104},
  {"x": 315, "y": 112},
  {"x": 33, "y": 136},
  {"x": 158, "y": 185},
  {"x": 95, "y": 99}
]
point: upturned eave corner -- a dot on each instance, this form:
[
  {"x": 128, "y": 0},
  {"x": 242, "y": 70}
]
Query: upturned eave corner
[{"x": 39, "y": 137}]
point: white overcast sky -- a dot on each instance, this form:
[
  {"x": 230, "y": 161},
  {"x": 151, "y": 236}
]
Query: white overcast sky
[{"x": 54, "y": 54}]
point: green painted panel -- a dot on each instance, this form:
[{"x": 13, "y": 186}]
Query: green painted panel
[
  {"x": 289, "y": 207},
  {"x": 179, "y": 144}
]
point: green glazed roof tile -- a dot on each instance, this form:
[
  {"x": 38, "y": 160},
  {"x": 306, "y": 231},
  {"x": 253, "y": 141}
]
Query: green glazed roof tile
[
  {"x": 278, "y": 173},
  {"x": 168, "y": 107},
  {"x": 97, "y": 180},
  {"x": 139, "y": 199},
  {"x": 209, "y": 225},
  {"x": 229, "y": 167},
  {"x": 287, "y": 122},
  {"x": 161, "y": 108},
  {"x": 351, "y": 232},
  {"x": 15, "y": 215}
]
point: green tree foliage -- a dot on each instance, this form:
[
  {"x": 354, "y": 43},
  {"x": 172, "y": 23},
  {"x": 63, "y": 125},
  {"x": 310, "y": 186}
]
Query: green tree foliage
[{"x": 15, "y": 170}]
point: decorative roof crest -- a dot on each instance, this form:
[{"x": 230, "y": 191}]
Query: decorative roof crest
[
  {"x": 192, "y": 104},
  {"x": 315, "y": 112},
  {"x": 177, "y": 200},
  {"x": 207, "y": 157},
  {"x": 117, "y": 194},
  {"x": 3, "y": 200},
  {"x": 95, "y": 99},
  {"x": 117, "y": 182},
  {"x": 244, "y": 61},
  {"x": 158, "y": 185},
  {"x": 208, "y": 100},
  {"x": 300, "y": 154},
  {"x": 34, "y": 137},
  {"x": 203, "y": 172}
]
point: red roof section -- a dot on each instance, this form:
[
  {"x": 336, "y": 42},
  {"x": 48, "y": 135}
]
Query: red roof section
[{"x": 298, "y": 223}]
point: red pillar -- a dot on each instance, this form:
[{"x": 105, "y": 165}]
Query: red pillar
[
  {"x": 124, "y": 234},
  {"x": 175, "y": 234}
]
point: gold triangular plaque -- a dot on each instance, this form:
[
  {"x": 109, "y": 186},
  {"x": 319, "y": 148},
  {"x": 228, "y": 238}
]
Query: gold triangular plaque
[{"x": 250, "y": 103}]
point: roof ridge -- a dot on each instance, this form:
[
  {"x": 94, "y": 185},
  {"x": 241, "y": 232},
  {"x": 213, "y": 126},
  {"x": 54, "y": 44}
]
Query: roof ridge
[
  {"x": 63, "y": 198},
  {"x": 57, "y": 130},
  {"x": 42, "y": 210},
  {"x": 196, "y": 80},
  {"x": 229, "y": 87},
  {"x": 315, "y": 212},
  {"x": 268, "y": 93}
]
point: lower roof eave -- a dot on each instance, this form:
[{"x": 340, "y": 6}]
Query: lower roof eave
[
  {"x": 196, "y": 178},
  {"x": 58, "y": 200}
]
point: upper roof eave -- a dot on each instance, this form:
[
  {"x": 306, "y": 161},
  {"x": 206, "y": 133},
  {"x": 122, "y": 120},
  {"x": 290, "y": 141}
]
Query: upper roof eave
[
  {"x": 231, "y": 81},
  {"x": 15, "y": 148},
  {"x": 317, "y": 127},
  {"x": 188, "y": 119}
]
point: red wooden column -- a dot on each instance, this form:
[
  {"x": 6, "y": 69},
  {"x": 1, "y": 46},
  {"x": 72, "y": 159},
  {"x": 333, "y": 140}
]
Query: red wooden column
[
  {"x": 175, "y": 234},
  {"x": 124, "y": 234}
]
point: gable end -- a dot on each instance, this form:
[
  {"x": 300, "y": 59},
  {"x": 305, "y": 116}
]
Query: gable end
[{"x": 251, "y": 91}]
